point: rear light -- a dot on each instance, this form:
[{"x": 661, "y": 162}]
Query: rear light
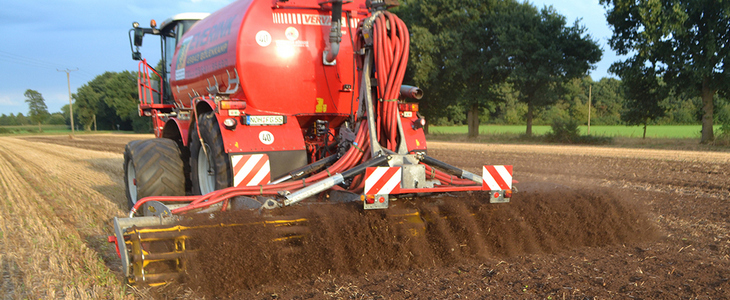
[
  {"x": 508, "y": 193},
  {"x": 229, "y": 104},
  {"x": 408, "y": 107}
]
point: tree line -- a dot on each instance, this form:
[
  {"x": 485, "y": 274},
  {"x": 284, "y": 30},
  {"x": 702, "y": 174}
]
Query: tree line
[
  {"x": 505, "y": 61},
  {"x": 509, "y": 62}
]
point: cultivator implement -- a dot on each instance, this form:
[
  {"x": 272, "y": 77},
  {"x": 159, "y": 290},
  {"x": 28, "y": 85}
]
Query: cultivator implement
[{"x": 156, "y": 249}]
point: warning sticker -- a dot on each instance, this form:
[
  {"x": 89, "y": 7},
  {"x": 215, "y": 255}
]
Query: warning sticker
[
  {"x": 266, "y": 137},
  {"x": 263, "y": 38}
]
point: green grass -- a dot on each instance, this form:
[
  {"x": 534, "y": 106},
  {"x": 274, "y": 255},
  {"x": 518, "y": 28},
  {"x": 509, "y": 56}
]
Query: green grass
[{"x": 655, "y": 131}]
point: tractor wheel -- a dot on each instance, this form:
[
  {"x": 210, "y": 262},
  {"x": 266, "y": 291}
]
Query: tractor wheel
[
  {"x": 208, "y": 161},
  {"x": 153, "y": 168}
]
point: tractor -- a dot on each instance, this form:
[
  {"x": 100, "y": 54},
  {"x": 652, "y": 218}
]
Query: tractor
[{"x": 272, "y": 103}]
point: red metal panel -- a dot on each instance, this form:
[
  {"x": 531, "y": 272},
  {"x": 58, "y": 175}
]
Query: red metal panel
[
  {"x": 262, "y": 138},
  {"x": 276, "y": 53},
  {"x": 415, "y": 138}
]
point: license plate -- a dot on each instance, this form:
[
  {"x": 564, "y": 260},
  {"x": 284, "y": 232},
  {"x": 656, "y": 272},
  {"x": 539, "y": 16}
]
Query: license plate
[{"x": 264, "y": 120}]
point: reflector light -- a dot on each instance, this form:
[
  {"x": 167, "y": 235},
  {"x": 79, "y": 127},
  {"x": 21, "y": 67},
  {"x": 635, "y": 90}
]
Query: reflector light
[
  {"x": 369, "y": 200},
  {"x": 227, "y": 104},
  {"x": 408, "y": 107},
  {"x": 381, "y": 199},
  {"x": 508, "y": 193},
  {"x": 496, "y": 195}
]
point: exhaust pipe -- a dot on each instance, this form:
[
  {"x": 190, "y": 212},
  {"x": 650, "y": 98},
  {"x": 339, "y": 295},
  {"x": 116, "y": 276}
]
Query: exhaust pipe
[{"x": 409, "y": 91}]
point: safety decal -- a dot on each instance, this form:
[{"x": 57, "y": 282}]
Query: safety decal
[
  {"x": 496, "y": 178},
  {"x": 250, "y": 169},
  {"x": 263, "y": 38},
  {"x": 382, "y": 180},
  {"x": 266, "y": 138},
  {"x": 309, "y": 19},
  {"x": 291, "y": 33}
]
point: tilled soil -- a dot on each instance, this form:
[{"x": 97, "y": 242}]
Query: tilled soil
[{"x": 586, "y": 223}]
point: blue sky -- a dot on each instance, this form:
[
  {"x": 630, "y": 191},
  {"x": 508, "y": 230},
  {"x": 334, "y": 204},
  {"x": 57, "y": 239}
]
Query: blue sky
[{"x": 41, "y": 36}]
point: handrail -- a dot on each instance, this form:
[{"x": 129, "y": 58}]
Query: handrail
[{"x": 144, "y": 83}]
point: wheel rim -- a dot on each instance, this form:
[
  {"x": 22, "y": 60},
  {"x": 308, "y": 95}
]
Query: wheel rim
[
  {"x": 206, "y": 176},
  {"x": 132, "y": 182}
]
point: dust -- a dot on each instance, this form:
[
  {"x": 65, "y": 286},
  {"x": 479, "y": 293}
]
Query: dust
[{"x": 345, "y": 240}]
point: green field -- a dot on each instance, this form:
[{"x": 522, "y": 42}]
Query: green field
[{"x": 658, "y": 131}]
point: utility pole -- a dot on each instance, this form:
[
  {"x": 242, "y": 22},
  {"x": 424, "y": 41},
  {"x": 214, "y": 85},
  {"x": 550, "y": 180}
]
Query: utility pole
[
  {"x": 590, "y": 93},
  {"x": 70, "y": 104}
]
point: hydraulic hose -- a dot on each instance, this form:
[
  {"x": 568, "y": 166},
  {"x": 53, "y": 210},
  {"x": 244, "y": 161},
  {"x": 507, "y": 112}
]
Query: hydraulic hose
[{"x": 390, "y": 46}]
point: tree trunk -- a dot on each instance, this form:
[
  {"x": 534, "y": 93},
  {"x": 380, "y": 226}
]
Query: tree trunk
[
  {"x": 39, "y": 127},
  {"x": 529, "y": 119},
  {"x": 644, "y": 136},
  {"x": 707, "y": 107},
  {"x": 472, "y": 119}
]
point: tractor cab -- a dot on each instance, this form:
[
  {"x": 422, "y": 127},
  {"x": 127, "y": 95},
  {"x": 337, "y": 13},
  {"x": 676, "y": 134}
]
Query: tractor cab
[{"x": 154, "y": 83}]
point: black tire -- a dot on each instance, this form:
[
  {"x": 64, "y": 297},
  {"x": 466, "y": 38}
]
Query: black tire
[
  {"x": 152, "y": 168},
  {"x": 213, "y": 174}
]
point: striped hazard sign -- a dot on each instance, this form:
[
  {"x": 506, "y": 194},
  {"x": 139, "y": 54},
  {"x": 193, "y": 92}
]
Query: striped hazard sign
[
  {"x": 382, "y": 180},
  {"x": 250, "y": 169},
  {"x": 495, "y": 178}
]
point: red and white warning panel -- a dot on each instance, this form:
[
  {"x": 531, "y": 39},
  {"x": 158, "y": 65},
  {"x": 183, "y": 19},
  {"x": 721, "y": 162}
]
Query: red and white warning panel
[
  {"x": 250, "y": 169},
  {"x": 382, "y": 180},
  {"x": 495, "y": 178}
]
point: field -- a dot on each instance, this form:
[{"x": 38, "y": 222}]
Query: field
[
  {"x": 663, "y": 131},
  {"x": 586, "y": 223}
]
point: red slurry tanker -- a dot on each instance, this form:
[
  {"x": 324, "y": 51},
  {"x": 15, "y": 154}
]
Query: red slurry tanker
[{"x": 266, "y": 104}]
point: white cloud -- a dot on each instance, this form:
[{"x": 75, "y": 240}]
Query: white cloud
[{"x": 11, "y": 104}]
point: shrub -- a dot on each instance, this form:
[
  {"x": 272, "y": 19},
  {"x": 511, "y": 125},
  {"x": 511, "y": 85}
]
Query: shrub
[
  {"x": 723, "y": 136},
  {"x": 566, "y": 131},
  {"x": 563, "y": 131},
  {"x": 4, "y": 130}
]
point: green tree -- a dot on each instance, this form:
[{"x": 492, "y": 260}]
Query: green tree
[
  {"x": 38, "y": 111},
  {"x": 6, "y": 120},
  {"x": 644, "y": 91},
  {"x": 56, "y": 118},
  {"x": 608, "y": 101},
  {"x": 685, "y": 39},
  {"x": 455, "y": 56},
  {"x": 111, "y": 98},
  {"x": 20, "y": 119},
  {"x": 543, "y": 53}
]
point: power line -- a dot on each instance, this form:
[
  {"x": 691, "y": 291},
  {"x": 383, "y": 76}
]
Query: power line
[{"x": 15, "y": 58}]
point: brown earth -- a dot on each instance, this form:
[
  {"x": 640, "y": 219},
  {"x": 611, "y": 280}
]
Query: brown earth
[{"x": 587, "y": 223}]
